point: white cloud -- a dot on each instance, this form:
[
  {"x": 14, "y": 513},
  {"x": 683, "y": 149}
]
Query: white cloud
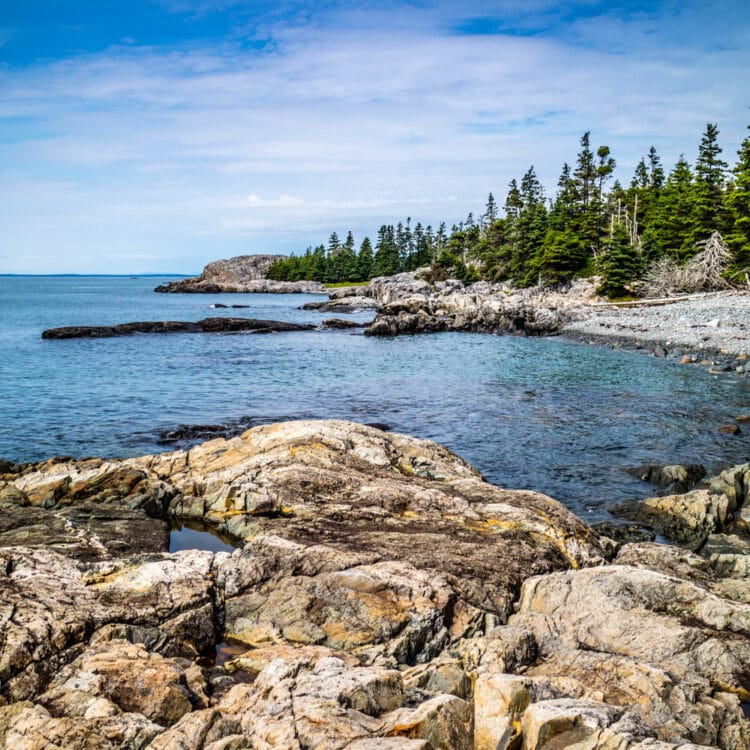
[{"x": 222, "y": 150}]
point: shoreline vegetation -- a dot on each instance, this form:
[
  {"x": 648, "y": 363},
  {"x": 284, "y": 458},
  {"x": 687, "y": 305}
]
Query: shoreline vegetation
[
  {"x": 640, "y": 237},
  {"x": 381, "y": 595}
]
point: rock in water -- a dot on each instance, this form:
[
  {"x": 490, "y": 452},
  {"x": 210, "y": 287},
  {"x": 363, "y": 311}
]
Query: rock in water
[
  {"x": 377, "y": 598},
  {"x": 207, "y": 325},
  {"x": 245, "y": 273},
  {"x": 675, "y": 477}
]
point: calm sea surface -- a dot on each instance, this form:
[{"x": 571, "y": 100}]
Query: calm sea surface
[{"x": 545, "y": 414}]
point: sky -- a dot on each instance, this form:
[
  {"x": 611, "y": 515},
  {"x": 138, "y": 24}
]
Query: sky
[{"x": 158, "y": 135}]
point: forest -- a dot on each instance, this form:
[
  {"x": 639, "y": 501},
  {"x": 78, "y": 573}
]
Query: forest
[{"x": 645, "y": 233}]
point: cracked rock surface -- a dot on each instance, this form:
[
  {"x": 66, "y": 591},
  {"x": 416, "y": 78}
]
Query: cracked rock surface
[{"x": 382, "y": 595}]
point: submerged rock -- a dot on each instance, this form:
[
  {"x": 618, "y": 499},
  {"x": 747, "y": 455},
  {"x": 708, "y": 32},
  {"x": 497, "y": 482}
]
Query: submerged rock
[
  {"x": 386, "y": 597},
  {"x": 675, "y": 477},
  {"x": 207, "y": 325}
]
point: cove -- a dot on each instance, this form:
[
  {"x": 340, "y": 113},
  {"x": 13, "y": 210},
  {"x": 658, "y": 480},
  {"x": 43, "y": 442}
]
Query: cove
[{"x": 546, "y": 414}]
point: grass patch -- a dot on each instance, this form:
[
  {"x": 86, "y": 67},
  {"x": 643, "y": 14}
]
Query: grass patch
[{"x": 339, "y": 284}]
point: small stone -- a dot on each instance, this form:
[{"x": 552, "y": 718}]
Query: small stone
[
  {"x": 729, "y": 429},
  {"x": 660, "y": 352},
  {"x": 743, "y": 418}
]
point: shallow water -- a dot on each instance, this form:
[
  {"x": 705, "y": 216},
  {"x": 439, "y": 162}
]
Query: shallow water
[
  {"x": 546, "y": 414},
  {"x": 186, "y": 538}
]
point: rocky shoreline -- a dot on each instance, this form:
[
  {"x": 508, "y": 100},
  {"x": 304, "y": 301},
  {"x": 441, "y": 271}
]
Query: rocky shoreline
[
  {"x": 711, "y": 330},
  {"x": 382, "y": 595}
]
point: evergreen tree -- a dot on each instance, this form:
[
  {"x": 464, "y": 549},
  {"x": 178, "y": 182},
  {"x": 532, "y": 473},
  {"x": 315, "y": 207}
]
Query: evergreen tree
[
  {"x": 673, "y": 221},
  {"x": 530, "y": 228},
  {"x": 738, "y": 203},
  {"x": 620, "y": 263},
  {"x": 344, "y": 261},
  {"x": 365, "y": 261},
  {"x": 490, "y": 211},
  {"x": 386, "y": 261},
  {"x": 708, "y": 195},
  {"x": 585, "y": 172},
  {"x": 563, "y": 255},
  {"x": 656, "y": 172}
]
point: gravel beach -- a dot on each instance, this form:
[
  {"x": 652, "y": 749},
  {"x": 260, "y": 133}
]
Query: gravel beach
[{"x": 710, "y": 325}]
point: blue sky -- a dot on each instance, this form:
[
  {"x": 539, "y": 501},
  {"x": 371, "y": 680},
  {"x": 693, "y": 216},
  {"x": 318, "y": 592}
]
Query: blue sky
[{"x": 158, "y": 135}]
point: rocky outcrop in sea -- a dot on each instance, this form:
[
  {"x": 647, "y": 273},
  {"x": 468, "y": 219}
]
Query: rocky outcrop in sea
[
  {"x": 382, "y": 595},
  {"x": 207, "y": 325},
  {"x": 245, "y": 273}
]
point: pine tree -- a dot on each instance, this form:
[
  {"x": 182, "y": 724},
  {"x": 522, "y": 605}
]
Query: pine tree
[
  {"x": 708, "y": 195},
  {"x": 585, "y": 171},
  {"x": 490, "y": 211},
  {"x": 344, "y": 261},
  {"x": 562, "y": 255},
  {"x": 656, "y": 172},
  {"x": 673, "y": 219},
  {"x": 530, "y": 227},
  {"x": 738, "y": 203},
  {"x": 620, "y": 263},
  {"x": 365, "y": 261},
  {"x": 386, "y": 261}
]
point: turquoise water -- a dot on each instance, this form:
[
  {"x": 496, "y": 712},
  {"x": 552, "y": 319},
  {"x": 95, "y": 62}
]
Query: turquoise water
[{"x": 546, "y": 414}]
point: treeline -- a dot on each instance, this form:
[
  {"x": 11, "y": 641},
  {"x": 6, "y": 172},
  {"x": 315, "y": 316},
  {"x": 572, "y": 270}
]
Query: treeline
[
  {"x": 592, "y": 225},
  {"x": 397, "y": 248}
]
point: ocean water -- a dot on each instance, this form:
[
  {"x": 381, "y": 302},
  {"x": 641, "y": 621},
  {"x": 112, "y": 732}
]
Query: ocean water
[{"x": 546, "y": 414}]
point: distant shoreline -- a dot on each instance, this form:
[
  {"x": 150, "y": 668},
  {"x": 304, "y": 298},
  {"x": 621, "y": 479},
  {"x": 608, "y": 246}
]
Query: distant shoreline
[{"x": 93, "y": 275}]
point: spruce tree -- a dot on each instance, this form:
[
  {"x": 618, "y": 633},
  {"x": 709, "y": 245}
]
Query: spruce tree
[
  {"x": 365, "y": 261},
  {"x": 530, "y": 227},
  {"x": 673, "y": 219},
  {"x": 490, "y": 211},
  {"x": 620, "y": 262},
  {"x": 738, "y": 203},
  {"x": 563, "y": 255},
  {"x": 708, "y": 195},
  {"x": 386, "y": 261}
]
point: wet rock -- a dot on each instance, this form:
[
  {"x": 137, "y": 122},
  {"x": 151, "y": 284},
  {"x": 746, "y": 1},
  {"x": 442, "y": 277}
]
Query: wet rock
[
  {"x": 623, "y": 533},
  {"x": 338, "y": 323},
  {"x": 688, "y": 518},
  {"x": 729, "y": 429},
  {"x": 208, "y": 325},
  {"x": 676, "y": 477}
]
